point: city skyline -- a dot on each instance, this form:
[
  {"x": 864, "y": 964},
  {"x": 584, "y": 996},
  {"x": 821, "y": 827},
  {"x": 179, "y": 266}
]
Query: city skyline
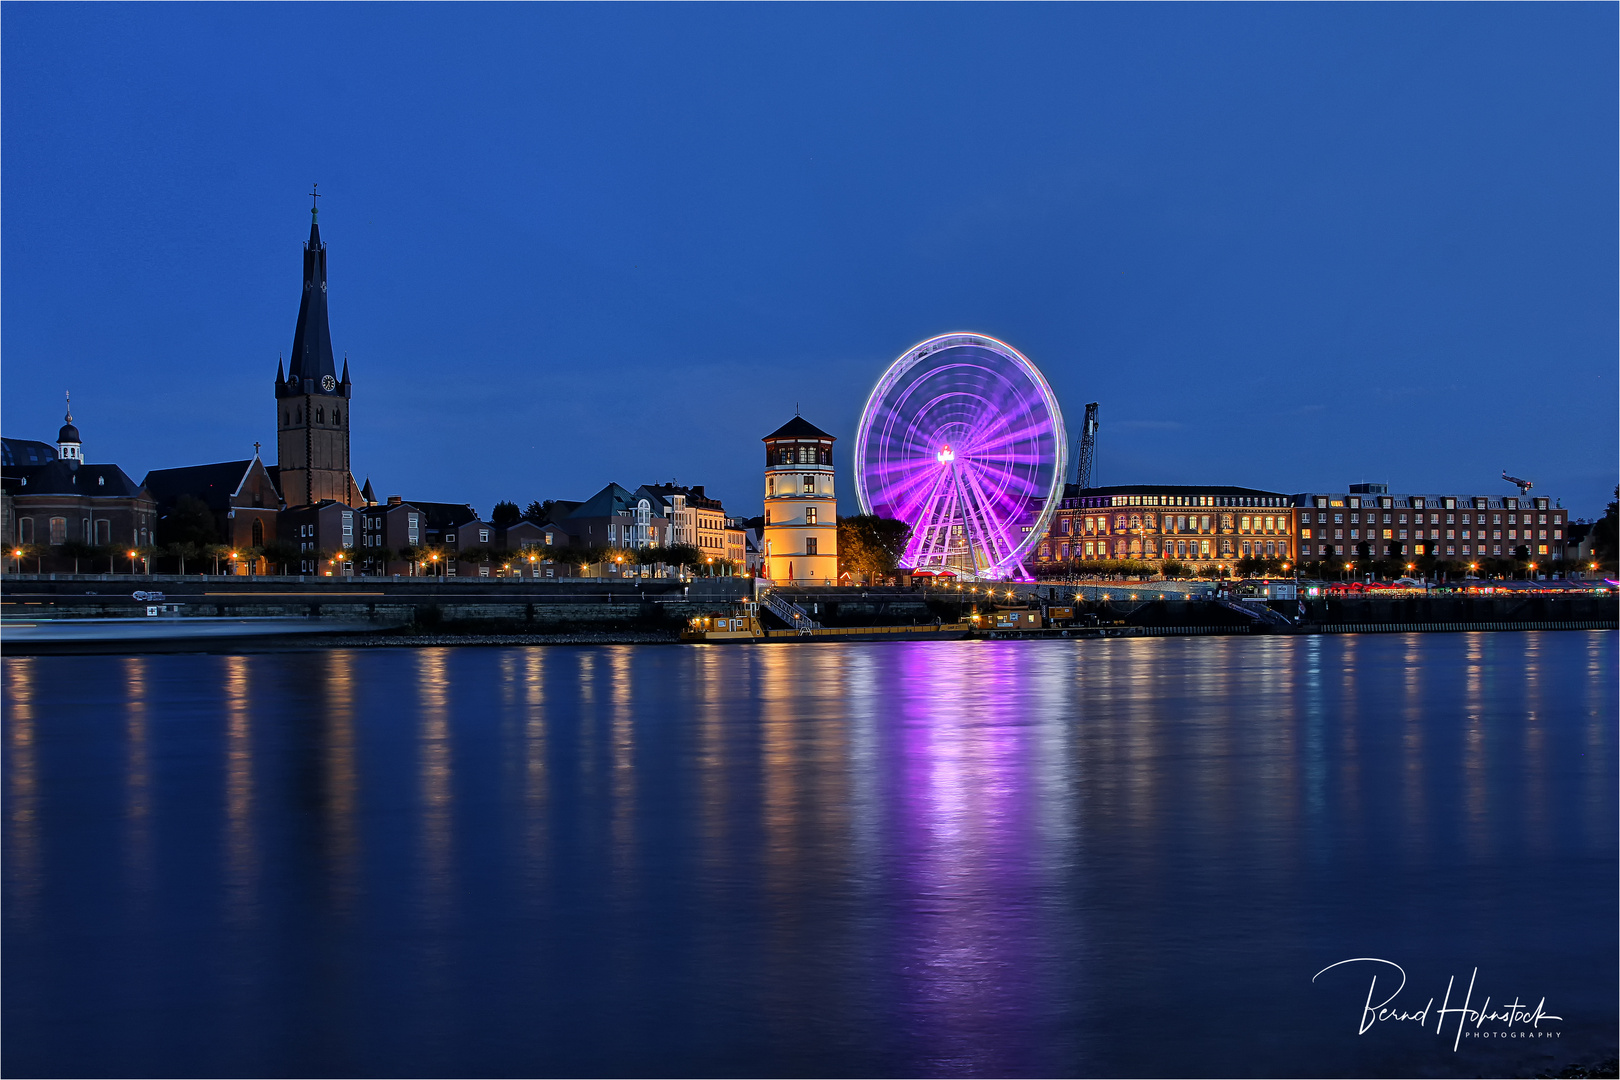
[{"x": 1373, "y": 295}]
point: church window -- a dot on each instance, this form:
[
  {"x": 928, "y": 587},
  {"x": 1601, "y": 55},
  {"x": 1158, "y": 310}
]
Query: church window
[
  {"x": 258, "y": 533},
  {"x": 337, "y": 416},
  {"x": 25, "y": 530},
  {"x": 58, "y": 530},
  {"x": 300, "y": 414},
  {"x": 286, "y": 419},
  {"x": 103, "y": 531},
  {"x": 320, "y": 415}
]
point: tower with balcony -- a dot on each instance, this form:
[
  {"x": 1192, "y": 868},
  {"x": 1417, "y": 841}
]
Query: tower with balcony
[{"x": 801, "y": 507}]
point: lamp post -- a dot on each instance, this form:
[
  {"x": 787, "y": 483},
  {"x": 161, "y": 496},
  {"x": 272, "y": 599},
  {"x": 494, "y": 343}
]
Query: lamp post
[
  {"x": 17, "y": 555},
  {"x": 132, "y": 562}
]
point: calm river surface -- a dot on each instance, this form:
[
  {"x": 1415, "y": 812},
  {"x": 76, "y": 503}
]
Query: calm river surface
[{"x": 1117, "y": 857}]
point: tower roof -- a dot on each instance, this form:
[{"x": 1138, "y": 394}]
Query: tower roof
[
  {"x": 799, "y": 428},
  {"x": 69, "y": 433},
  {"x": 311, "y": 359}
]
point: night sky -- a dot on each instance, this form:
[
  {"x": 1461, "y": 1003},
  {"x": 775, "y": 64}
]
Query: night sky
[{"x": 1289, "y": 247}]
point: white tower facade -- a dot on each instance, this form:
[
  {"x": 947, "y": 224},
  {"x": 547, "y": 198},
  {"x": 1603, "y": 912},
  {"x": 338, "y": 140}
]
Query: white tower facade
[{"x": 801, "y": 507}]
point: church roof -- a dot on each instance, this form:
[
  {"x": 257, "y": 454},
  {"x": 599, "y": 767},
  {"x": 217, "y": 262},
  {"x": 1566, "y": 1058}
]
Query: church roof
[
  {"x": 799, "y": 428},
  {"x": 70, "y": 478},
  {"x": 311, "y": 358},
  {"x": 214, "y": 484},
  {"x": 25, "y": 452}
]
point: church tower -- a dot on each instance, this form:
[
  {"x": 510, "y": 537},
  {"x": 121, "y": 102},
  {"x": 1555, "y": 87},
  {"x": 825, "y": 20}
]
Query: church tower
[
  {"x": 801, "y": 508},
  {"x": 312, "y": 400}
]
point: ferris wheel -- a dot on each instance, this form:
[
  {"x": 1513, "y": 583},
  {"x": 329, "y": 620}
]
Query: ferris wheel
[{"x": 962, "y": 439}]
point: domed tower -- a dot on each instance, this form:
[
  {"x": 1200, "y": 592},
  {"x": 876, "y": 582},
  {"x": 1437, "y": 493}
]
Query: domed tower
[
  {"x": 801, "y": 508},
  {"x": 312, "y": 399},
  {"x": 69, "y": 447}
]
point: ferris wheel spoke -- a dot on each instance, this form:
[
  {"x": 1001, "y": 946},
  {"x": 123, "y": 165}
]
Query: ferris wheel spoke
[
  {"x": 984, "y": 505},
  {"x": 994, "y": 529}
]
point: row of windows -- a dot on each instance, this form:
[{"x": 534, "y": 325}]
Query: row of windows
[
  {"x": 320, "y": 416},
  {"x": 798, "y": 455},
  {"x": 95, "y": 531},
  {"x": 1465, "y": 550},
  {"x": 806, "y": 486},
  {"x": 1177, "y": 500},
  {"x": 1434, "y": 519}
]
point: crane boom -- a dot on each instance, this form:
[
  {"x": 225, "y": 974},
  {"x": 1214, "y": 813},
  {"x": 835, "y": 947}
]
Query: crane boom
[
  {"x": 1524, "y": 485},
  {"x": 1085, "y": 455}
]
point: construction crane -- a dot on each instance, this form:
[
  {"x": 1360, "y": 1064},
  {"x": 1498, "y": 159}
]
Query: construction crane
[
  {"x": 1086, "y": 454},
  {"x": 1524, "y": 486}
]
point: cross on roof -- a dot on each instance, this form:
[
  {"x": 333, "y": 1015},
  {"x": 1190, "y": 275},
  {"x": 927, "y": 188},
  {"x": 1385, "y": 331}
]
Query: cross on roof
[{"x": 314, "y": 193}]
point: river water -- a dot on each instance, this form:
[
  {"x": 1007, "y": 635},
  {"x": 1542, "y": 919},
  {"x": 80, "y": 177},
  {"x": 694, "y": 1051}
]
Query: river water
[{"x": 1122, "y": 857}]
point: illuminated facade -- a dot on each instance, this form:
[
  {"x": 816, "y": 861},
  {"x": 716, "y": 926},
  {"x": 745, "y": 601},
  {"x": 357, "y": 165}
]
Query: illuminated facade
[
  {"x": 801, "y": 508},
  {"x": 1366, "y": 521},
  {"x": 1194, "y": 525}
]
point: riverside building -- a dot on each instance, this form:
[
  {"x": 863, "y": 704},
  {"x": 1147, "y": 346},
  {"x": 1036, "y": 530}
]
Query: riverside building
[
  {"x": 801, "y": 508},
  {"x": 1152, "y": 523},
  {"x": 1367, "y": 521}
]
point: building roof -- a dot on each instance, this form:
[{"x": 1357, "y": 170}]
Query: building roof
[
  {"x": 445, "y": 515},
  {"x": 25, "y": 452},
  {"x": 694, "y": 495},
  {"x": 799, "y": 428},
  {"x": 611, "y": 500},
  {"x": 311, "y": 358},
  {"x": 70, "y": 478},
  {"x": 1071, "y": 491},
  {"x": 214, "y": 484}
]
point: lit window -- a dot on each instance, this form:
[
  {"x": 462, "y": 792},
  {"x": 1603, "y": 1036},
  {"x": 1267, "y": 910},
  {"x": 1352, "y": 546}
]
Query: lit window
[{"x": 809, "y": 515}]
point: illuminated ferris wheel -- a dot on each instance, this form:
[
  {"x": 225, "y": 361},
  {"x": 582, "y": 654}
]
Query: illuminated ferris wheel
[{"x": 962, "y": 439}]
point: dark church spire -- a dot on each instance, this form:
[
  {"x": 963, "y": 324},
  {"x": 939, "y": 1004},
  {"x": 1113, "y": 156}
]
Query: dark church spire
[{"x": 311, "y": 361}]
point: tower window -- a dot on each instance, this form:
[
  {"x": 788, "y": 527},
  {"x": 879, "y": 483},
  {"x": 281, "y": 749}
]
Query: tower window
[
  {"x": 286, "y": 419},
  {"x": 809, "y": 515},
  {"x": 320, "y": 415},
  {"x": 810, "y": 546},
  {"x": 337, "y": 416},
  {"x": 809, "y": 485},
  {"x": 300, "y": 414}
]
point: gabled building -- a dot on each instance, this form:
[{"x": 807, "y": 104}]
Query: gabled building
[
  {"x": 241, "y": 495},
  {"x": 324, "y": 535},
  {"x": 389, "y": 535},
  {"x": 617, "y": 517}
]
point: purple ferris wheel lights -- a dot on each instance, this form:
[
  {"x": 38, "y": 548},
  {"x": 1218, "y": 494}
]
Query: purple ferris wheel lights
[{"x": 963, "y": 440}]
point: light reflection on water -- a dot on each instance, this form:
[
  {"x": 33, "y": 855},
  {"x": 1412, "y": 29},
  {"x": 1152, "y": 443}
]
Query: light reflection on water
[{"x": 941, "y": 858}]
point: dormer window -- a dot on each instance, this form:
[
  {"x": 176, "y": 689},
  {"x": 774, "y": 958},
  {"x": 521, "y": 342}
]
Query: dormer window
[{"x": 101, "y": 481}]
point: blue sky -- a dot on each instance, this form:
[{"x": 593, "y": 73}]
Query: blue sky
[{"x": 1291, "y": 247}]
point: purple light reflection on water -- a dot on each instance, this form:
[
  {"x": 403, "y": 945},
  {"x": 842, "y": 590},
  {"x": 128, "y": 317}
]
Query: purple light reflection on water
[{"x": 997, "y": 858}]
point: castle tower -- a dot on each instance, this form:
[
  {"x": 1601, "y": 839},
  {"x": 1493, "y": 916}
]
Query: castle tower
[
  {"x": 69, "y": 447},
  {"x": 312, "y": 400},
  {"x": 801, "y": 508}
]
